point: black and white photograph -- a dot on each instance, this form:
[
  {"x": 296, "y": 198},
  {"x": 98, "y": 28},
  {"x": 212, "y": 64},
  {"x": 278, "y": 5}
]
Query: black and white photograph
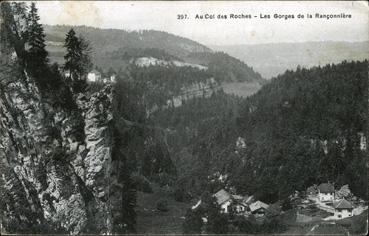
[{"x": 184, "y": 117}]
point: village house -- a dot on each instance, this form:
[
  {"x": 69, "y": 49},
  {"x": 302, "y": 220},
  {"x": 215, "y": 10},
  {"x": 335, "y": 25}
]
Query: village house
[
  {"x": 67, "y": 73},
  {"x": 94, "y": 76},
  {"x": 113, "y": 78},
  {"x": 236, "y": 203},
  {"x": 326, "y": 192},
  {"x": 224, "y": 200},
  {"x": 109, "y": 79},
  {"x": 258, "y": 208},
  {"x": 343, "y": 209}
]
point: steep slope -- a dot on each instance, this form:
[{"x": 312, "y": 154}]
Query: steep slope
[
  {"x": 53, "y": 177},
  {"x": 58, "y": 154},
  {"x": 106, "y": 41},
  {"x": 273, "y": 59},
  {"x": 117, "y": 49},
  {"x": 304, "y": 127}
]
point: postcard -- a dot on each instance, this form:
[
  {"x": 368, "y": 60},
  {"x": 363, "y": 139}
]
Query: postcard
[{"x": 184, "y": 117}]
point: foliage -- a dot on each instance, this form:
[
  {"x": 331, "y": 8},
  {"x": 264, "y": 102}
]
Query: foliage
[
  {"x": 162, "y": 205},
  {"x": 23, "y": 33},
  {"x": 35, "y": 39},
  {"x": 129, "y": 53},
  {"x": 286, "y": 147},
  {"x": 225, "y": 68},
  {"x": 77, "y": 60},
  {"x": 125, "y": 220},
  {"x": 193, "y": 222},
  {"x": 180, "y": 194},
  {"x": 142, "y": 184},
  {"x": 285, "y": 151}
]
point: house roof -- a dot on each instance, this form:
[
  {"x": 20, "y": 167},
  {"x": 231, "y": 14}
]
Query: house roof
[
  {"x": 274, "y": 209},
  {"x": 342, "y": 204},
  {"x": 326, "y": 188},
  {"x": 249, "y": 199},
  {"x": 222, "y": 196},
  {"x": 95, "y": 72},
  {"x": 257, "y": 205},
  {"x": 237, "y": 197}
]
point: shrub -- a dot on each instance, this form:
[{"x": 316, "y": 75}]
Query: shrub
[
  {"x": 181, "y": 195},
  {"x": 193, "y": 222},
  {"x": 162, "y": 205},
  {"x": 142, "y": 184}
]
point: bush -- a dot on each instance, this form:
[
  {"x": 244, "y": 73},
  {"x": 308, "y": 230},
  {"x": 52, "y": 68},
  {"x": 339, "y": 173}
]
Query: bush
[
  {"x": 142, "y": 184},
  {"x": 218, "y": 224},
  {"x": 181, "y": 195},
  {"x": 286, "y": 205},
  {"x": 162, "y": 205},
  {"x": 193, "y": 222}
]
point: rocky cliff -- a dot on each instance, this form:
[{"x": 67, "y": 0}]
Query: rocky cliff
[{"x": 56, "y": 163}]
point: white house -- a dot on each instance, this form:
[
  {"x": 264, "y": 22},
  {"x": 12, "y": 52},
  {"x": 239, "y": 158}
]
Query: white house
[
  {"x": 67, "y": 73},
  {"x": 326, "y": 192},
  {"x": 238, "y": 205},
  {"x": 113, "y": 78},
  {"x": 343, "y": 209},
  {"x": 224, "y": 200},
  {"x": 258, "y": 208},
  {"x": 94, "y": 76}
]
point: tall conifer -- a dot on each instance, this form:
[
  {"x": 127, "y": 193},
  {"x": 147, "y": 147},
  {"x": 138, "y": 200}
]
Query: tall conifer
[
  {"x": 77, "y": 59},
  {"x": 36, "y": 53}
]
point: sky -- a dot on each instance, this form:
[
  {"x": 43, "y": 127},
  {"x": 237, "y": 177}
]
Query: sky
[{"x": 163, "y": 16}]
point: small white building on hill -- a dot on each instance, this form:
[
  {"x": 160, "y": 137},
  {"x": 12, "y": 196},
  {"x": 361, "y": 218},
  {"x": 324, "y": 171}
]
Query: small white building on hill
[
  {"x": 258, "y": 208},
  {"x": 94, "y": 76},
  {"x": 343, "y": 209},
  {"x": 224, "y": 200},
  {"x": 326, "y": 192}
]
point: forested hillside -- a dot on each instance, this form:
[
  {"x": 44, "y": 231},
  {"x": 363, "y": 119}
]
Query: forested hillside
[
  {"x": 225, "y": 67},
  {"x": 112, "y": 48},
  {"x": 305, "y": 127},
  {"x": 106, "y": 41}
]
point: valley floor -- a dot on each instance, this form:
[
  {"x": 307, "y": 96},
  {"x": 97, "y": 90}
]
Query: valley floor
[{"x": 152, "y": 221}]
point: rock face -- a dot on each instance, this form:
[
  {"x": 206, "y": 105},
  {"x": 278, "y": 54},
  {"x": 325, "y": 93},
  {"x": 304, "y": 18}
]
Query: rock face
[
  {"x": 201, "y": 89},
  {"x": 55, "y": 163}
]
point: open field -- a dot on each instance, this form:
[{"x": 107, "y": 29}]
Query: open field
[{"x": 151, "y": 220}]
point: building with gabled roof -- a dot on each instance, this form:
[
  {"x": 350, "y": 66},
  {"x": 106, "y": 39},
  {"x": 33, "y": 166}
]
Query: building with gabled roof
[
  {"x": 326, "y": 192},
  {"x": 224, "y": 200},
  {"x": 342, "y": 209},
  {"x": 258, "y": 208},
  {"x": 94, "y": 76}
]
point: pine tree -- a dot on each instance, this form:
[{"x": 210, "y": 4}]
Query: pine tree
[
  {"x": 71, "y": 58},
  {"x": 36, "y": 53},
  {"x": 77, "y": 59}
]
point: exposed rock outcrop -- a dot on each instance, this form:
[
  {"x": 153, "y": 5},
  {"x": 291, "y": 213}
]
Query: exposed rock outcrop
[{"x": 55, "y": 163}]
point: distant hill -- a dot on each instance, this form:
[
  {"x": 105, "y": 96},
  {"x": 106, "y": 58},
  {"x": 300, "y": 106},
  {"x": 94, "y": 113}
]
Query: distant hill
[
  {"x": 116, "y": 48},
  {"x": 106, "y": 41},
  {"x": 273, "y": 59}
]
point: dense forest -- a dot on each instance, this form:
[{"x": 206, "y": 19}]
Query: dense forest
[
  {"x": 116, "y": 48},
  {"x": 106, "y": 41},
  {"x": 305, "y": 127},
  {"x": 302, "y": 128},
  {"x": 225, "y": 67}
]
